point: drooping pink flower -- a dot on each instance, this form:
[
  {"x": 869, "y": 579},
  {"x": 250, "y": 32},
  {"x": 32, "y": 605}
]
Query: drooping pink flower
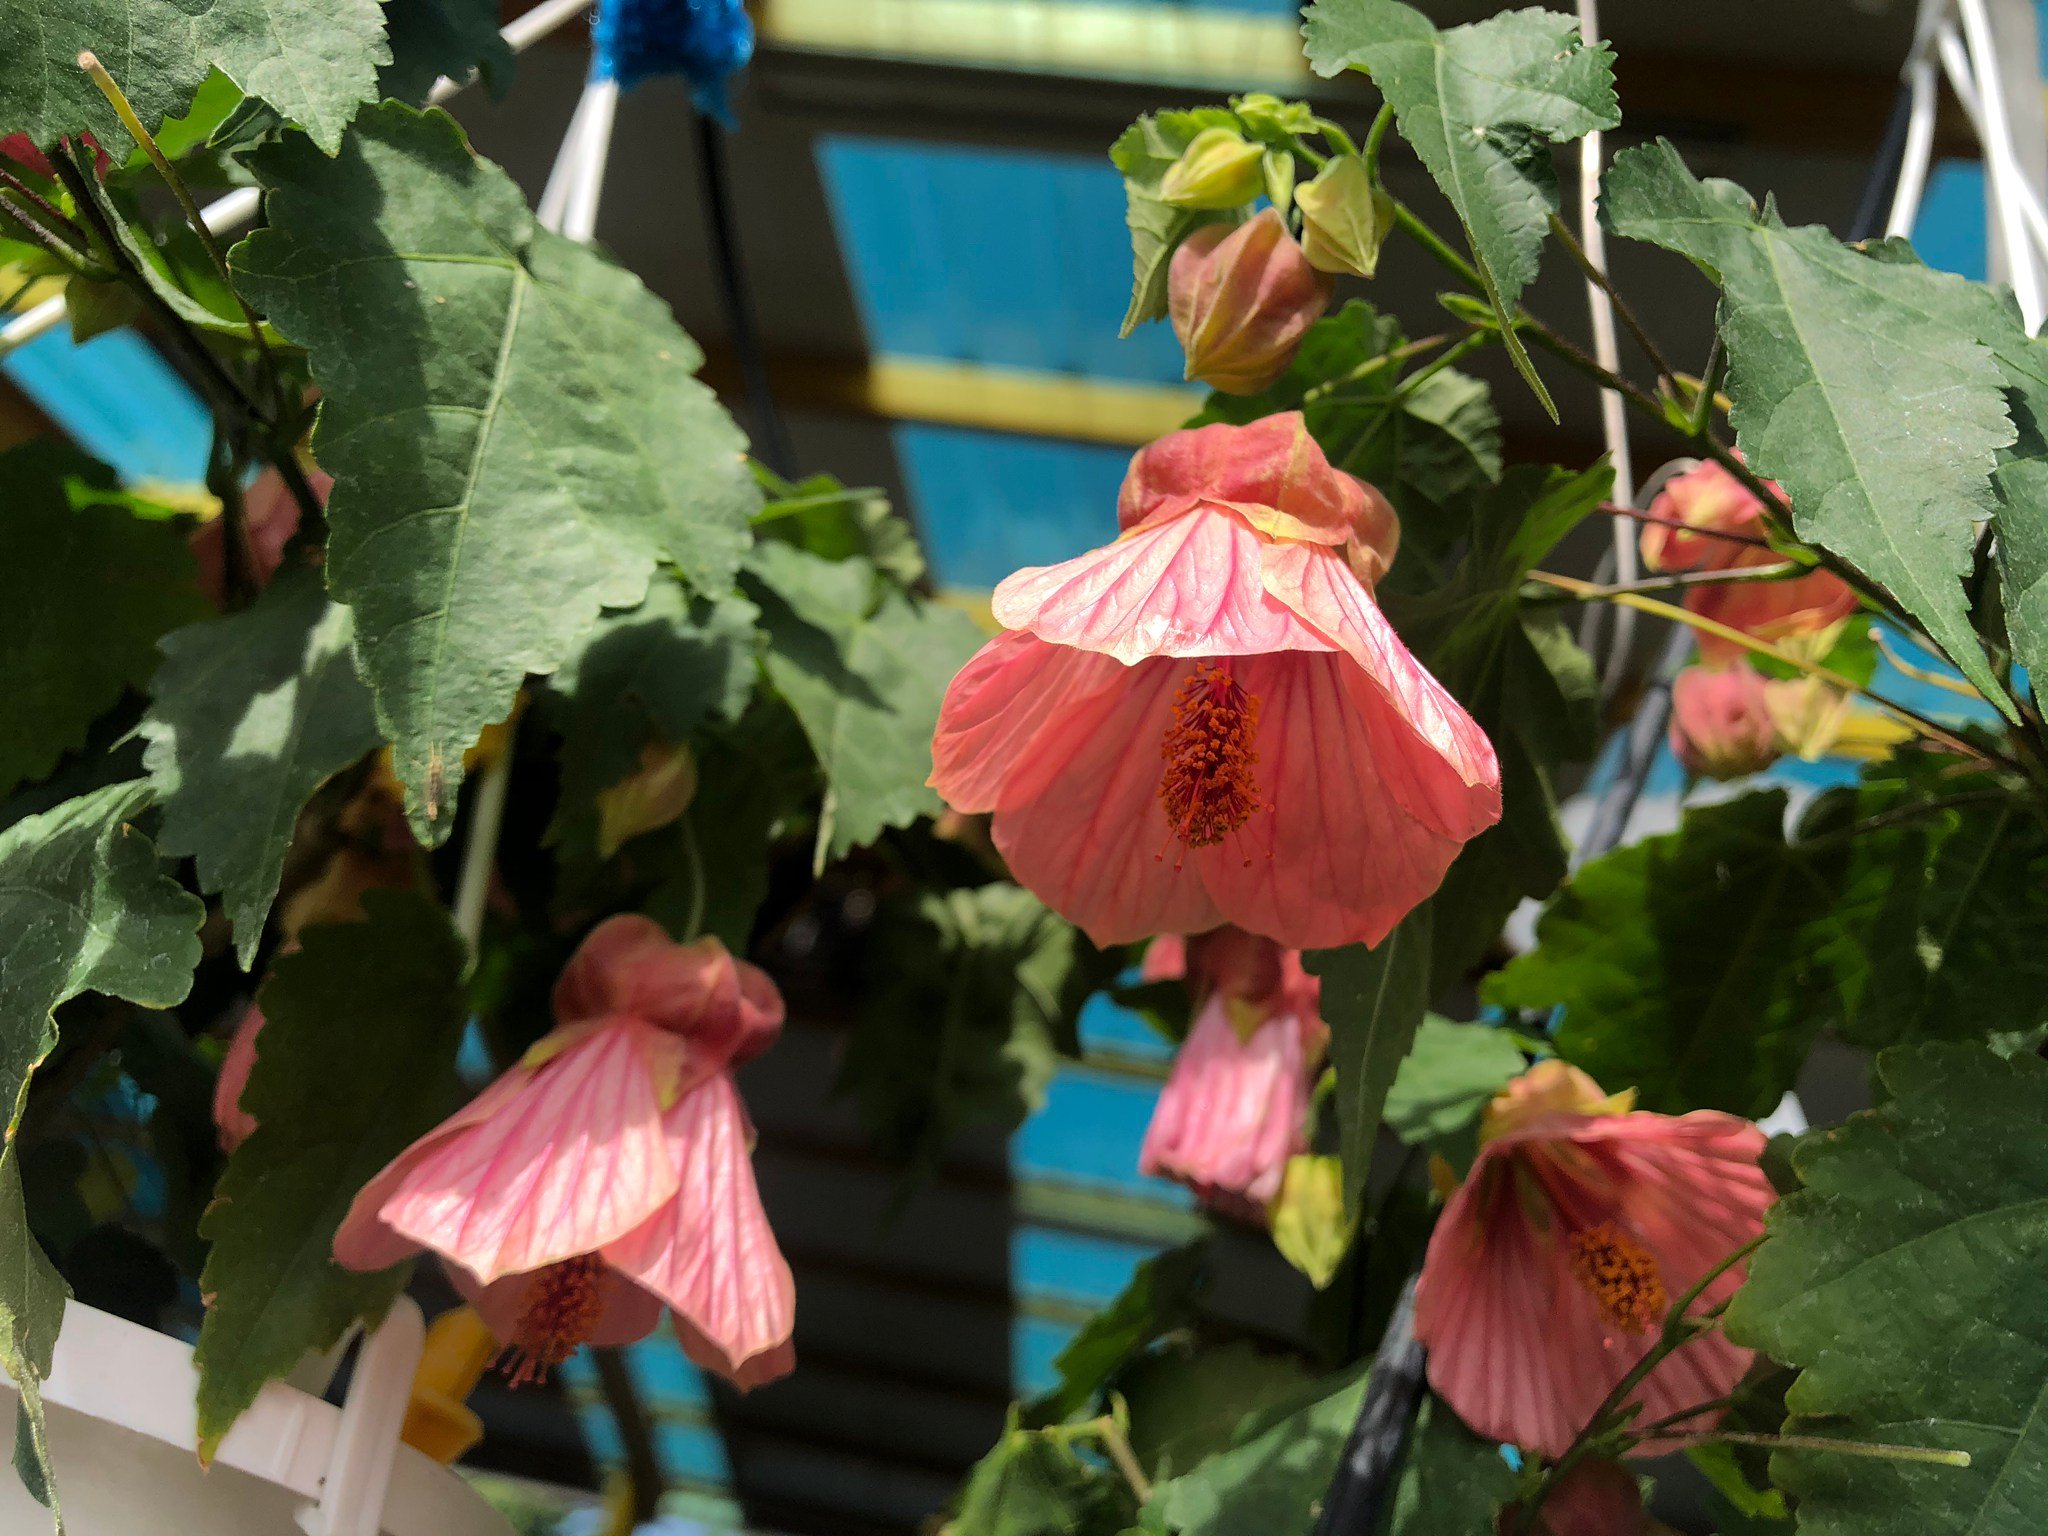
[
  {"x": 1721, "y": 724},
  {"x": 23, "y": 151},
  {"x": 1235, "y": 1106},
  {"x": 1242, "y": 297},
  {"x": 271, "y": 516},
  {"x": 1210, "y": 720},
  {"x": 1709, "y": 500},
  {"x": 232, "y": 1123},
  {"x": 607, "y": 1174},
  {"x": 1557, "y": 1261}
]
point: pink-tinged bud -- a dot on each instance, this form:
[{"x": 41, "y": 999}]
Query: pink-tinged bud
[
  {"x": 231, "y": 1122},
  {"x": 1694, "y": 507},
  {"x": 1241, "y": 300},
  {"x": 654, "y": 794},
  {"x": 1345, "y": 219},
  {"x": 1721, "y": 723},
  {"x": 1217, "y": 170}
]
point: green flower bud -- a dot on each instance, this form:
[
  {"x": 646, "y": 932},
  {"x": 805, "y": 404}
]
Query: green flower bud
[
  {"x": 1344, "y": 218},
  {"x": 1217, "y": 170},
  {"x": 1269, "y": 118}
]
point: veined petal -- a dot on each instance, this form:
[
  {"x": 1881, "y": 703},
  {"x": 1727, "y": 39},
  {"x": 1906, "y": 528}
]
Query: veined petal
[
  {"x": 1232, "y": 1110},
  {"x": 565, "y": 1158},
  {"x": 1095, "y": 844},
  {"x": 710, "y": 1253},
  {"x": 1187, "y": 586},
  {"x": 628, "y": 965},
  {"x": 1366, "y": 816},
  {"x": 1011, "y": 715}
]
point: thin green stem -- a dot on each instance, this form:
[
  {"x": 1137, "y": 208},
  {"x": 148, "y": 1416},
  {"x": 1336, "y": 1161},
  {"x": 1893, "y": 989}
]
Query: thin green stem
[
  {"x": 1459, "y": 350},
  {"x": 1432, "y": 242},
  {"x": 226, "y": 466},
  {"x": 1372, "y": 365},
  {"x": 1678, "y": 581},
  {"x": 1710, "y": 389},
  {"x": 1926, "y": 1455},
  {"x": 1599, "y": 279},
  {"x": 1374, "y": 138},
  {"x": 31, "y": 224},
  {"x": 1117, "y": 1445}
]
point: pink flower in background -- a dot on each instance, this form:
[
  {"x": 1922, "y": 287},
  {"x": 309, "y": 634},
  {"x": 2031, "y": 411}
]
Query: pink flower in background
[
  {"x": 1242, "y": 297},
  {"x": 608, "y": 1174},
  {"x": 1556, "y": 1263},
  {"x": 1210, "y": 720},
  {"x": 1595, "y": 1498},
  {"x": 272, "y": 515},
  {"x": 1721, "y": 723},
  {"x": 232, "y": 1123},
  {"x": 1235, "y": 1106},
  {"x": 1711, "y": 500}
]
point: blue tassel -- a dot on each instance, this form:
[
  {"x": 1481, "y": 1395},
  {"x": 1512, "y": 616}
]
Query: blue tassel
[{"x": 704, "y": 41}]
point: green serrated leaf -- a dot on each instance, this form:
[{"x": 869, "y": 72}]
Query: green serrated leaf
[
  {"x": 1480, "y": 104},
  {"x": 432, "y": 38},
  {"x": 1373, "y": 1001},
  {"x": 357, "y": 1059},
  {"x": 971, "y": 998},
  {"x": 252, "y": 713},
  {"x": 1447, "y": 1078},
  {"x": 86, "y": 908},
  {"x": 1272, "y": 1479},
  {"x": 1159, "y": 1298},
  {"x": 1817, "y": 334},
  {"x": 86, "y": 588},
  {"x": 1698, "y": 967},
  {"x": 656, "y": 672},
  {"x": 1527, "y": 684},
  {"x": 316, "y": 61},
  {"x": 840, "y": 522},
  {"x": 1144, "y": 153},
  {"x": 511, "y": 421},
  {"x": 1452, "y": 1483},
  {"x": 865, "y": 666},
  {"x": 1186, "y": 1402},
  {"x": 1035, "y": 1483},
  {"x": 1905, "y": 1280}
]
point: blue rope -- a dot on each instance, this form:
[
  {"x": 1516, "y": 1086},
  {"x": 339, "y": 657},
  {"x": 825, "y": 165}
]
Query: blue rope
[{"x": 707, "y": 42}]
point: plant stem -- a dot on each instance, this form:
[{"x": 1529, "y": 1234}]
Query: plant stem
[
  {"x": 1680, "y": 580},
  {"x": 1683, "y": 526},
  {"x": 1118, "y": 1446},
  {"x": 1710, "y": 388},
  {"x": 1373, "y": 365},
  {"x": 1432, "y": 242},
  {"x": 1921, "y": 674},
  {"x": 480, "y": 849},
  {"x": 1919, "y": 1453},
  {"x": 636, "y": 1437},
  {"x": 1599, "y": 279},
  {"x": 226, "y": 464},
  {"x": 118, "y": 100},
  {"x": 1457, "y": 352},
  {"x": 1374, "y": 138},
  {"x": 1926, "y": 727}
]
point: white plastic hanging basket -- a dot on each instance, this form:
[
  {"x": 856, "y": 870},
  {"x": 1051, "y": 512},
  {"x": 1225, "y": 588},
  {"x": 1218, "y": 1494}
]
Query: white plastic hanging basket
[{"x": 123, "y": 1428}]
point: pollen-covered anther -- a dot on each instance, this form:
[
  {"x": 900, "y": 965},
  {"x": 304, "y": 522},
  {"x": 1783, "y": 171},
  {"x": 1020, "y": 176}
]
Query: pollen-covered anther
[
  {"x": 1210, "y": 787},
  {"x": 1622, "y": 1276},
  {"x": 562, "y": 1309}
]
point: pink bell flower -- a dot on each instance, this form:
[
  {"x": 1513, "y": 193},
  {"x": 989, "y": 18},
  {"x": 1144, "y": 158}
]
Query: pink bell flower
[
  {"x": 1708, "y": 500},
  {"x": 1241, "y": 298},
  {"x": 1235, "y": 1106},
  {"x": 232, "y": 1123},
  {"x": 270, "y": 517},
  {"x": 1721, "y": 721},
  {"x": 608, "y": 1174},
  {"x": 1556, "y": 1263},
  {"x": 1596, "y": 1497},
  {"x": 1210, "y": 720}
]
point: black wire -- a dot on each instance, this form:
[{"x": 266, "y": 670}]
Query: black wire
[
  {"x": 1364, "y": 1481},
  {"x": 771, "y": 437}
]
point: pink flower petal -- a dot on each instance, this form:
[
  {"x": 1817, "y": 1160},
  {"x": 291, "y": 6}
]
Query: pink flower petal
[
  {"x": 1010, "y": 716},
  {"x": 555, "y": 1161},
  {"x": 710, "y": 1253},
  {"x": 628, "y": 965},
  {"x": 1517, "y": 1346},
  {"x": 233, "y": 1123},
  {"x": 1232, "y": 1111},
  {"x": 1187, "y": 586},
  {"x": 1271, "y": 472},
  {"x": 1166, "y": 959}
]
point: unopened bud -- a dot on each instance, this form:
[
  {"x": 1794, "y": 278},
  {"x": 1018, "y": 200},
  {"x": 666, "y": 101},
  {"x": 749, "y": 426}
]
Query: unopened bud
[
  {"x": 1345, "y": 219},
  {"x": 1241, "y": 301},
  {"x": 651, "y": 796},
  {"x": 1312, "y": 1226},
  {"x": 1721, "y": 723},
  {"x": 1808, "y": 714},
  {"x": 1219, "y": 169},
  {"x": 1266, "y": 116}
]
